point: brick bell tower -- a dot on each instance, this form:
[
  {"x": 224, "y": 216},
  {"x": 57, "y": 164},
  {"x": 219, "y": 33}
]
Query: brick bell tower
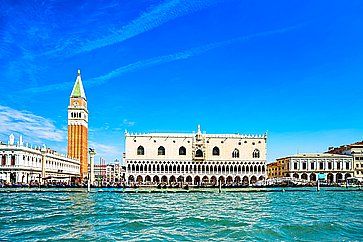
[{"x": 78, "y": 126}]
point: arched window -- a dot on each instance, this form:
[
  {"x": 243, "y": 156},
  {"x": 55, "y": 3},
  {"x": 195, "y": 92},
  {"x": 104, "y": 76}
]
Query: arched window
[
  {"x": 161, "y": 150},
  {"x": 140, "y": 150},
  {"x": 235, "y": 153},
  {"x": 182, "y": 151},
  {"x": 215, "y": 151},
  {"x": 256, "y": 154},
  {"x": 199, "y": 153}
]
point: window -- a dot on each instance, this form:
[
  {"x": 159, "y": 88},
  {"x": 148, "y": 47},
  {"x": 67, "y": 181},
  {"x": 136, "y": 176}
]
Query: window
[
  {"x": 182, "y": 151},
  {"x": 338, "y": 165},
  {"x": 215, "y": 151},
  {"x": 295, "y": 165},
  {"x": 329, "y": 165},
  {"x": 347, "y": 165},
  {"x": 199, "y": 153},
  {"x": 256, "y": 154},
  {"x": 140, "y": 150},
  {"x": 161, "y": 150},
  {"x": 3, "y": 160},
  {"x": 235, "y": 153},
  {"x": 321, "y": 165},
  {"x": 312, "y": 166},
  {"x": 304, "y": 166},
  {"x": 13, "y": 160}
]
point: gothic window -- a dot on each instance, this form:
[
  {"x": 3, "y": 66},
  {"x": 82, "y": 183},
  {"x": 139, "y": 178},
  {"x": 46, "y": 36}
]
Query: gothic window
[
  {"x": 215, "y": 151},
  {"x": 140, "y": 150},
  {"x": 199, "y": 153},
  {"x": 256, "y": 154},
  {"x": 235, "y": 153},
  {"x": 182, "y": 151},
  {"x": 13, "y": 160},
  {"x": 161, "y": 150}
]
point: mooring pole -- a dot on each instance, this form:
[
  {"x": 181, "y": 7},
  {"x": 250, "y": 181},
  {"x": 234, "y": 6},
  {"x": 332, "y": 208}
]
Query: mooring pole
[
  {"x": 88, "y": 184},
  {"x": 318, "y": 185},
  {"x": 219, "y": 186}
]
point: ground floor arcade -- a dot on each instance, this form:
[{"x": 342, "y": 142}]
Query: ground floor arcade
[
  {"x": 193, "y": 179},
  {"x": 331, "y": 177}
]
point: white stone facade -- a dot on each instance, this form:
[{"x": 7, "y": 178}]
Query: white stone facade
[
  {"x": 336, "y": 167},
  {"x": 21, "y": 163},
  {"x": 195, "y": 158}
]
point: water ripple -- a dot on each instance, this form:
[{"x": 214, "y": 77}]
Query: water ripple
[{"x": 304, "y": 216}]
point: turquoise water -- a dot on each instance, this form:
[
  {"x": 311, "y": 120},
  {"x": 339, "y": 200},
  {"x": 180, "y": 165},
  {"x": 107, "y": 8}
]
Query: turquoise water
[{"x": 304, "y": 216}]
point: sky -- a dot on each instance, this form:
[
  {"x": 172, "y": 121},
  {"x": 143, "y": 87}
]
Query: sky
[{"x": 289, "y": 68}]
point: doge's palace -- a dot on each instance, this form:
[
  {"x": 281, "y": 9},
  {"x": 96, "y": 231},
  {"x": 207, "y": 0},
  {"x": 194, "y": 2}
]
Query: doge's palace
[{"x": 194, "y": 158}]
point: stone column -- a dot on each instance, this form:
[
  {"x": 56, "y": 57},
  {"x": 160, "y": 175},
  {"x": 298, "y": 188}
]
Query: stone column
[
  {"x": 44, "y": 157},
  {"x": 92, "y": 154}
]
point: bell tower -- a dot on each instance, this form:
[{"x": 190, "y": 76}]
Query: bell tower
[{"x": 78, "y": 126}]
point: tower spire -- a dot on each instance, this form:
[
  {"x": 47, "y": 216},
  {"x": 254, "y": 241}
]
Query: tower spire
[{"x": 78, "y": 90}]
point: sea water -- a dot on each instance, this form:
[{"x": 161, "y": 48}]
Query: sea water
[{"x": 230, "y": 216}]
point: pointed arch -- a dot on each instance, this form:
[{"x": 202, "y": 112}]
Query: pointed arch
[
  {"x": 256, "y": 153},
  {"x": 164, "y": 179},
  {"x": 199, "y": 153},
  {"x": 161, "y": 150},
  {"x": 140, "y": 150},
  {"x": 156, "y": 179},
  {"x": 148, "y": 179},
  {"x": 182, "y": 151},
  {"x": 235, "y": 153},
  {"x": 215, "y": 151},
  {"x": 172, "y": 179}
]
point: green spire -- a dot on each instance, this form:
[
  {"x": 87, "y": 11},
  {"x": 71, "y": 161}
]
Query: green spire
[{"x": 78, "y": 90}]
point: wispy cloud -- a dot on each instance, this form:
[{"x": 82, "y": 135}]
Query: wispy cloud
[
  {"x": 128, "y": 123},
  {"x": 28, "y": 124},
  {"x": 148, "y": 20},
  {"x": 107, "y": 151},
  {"x": 185, "y": 54}
]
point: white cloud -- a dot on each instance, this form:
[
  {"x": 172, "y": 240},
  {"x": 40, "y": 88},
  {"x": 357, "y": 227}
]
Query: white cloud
[
  {"x": 29, "y": 125},
  {"x": 109, "y": 152},
  {"x": 128, "y": 123}
]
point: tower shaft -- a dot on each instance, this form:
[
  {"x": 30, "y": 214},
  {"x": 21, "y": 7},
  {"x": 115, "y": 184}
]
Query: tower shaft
[{"x": 78, "y": 126}]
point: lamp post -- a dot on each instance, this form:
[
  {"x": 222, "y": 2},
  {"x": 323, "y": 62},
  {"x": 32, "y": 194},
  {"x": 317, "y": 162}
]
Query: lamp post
[{"x": 91, "y": 174}]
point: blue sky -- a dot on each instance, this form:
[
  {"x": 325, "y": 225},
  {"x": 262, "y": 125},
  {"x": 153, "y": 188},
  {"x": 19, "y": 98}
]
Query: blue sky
[{"x": 292, "y": 68}]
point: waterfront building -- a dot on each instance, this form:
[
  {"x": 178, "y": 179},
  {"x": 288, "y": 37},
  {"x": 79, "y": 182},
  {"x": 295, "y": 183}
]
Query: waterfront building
[
  {"x": 356, "y": 151},
  {"x": 277, "y": 169},
  {"x": 109, "y": 173},
  {"x": 78, "y": 126},
  {"x": 194, "y": 158},
  {"x": 100, "y": 172},
  {"x": 115, "y": 172},
  {"x": 23, "y": 163},
  {"x": 336, "y": 167}
]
